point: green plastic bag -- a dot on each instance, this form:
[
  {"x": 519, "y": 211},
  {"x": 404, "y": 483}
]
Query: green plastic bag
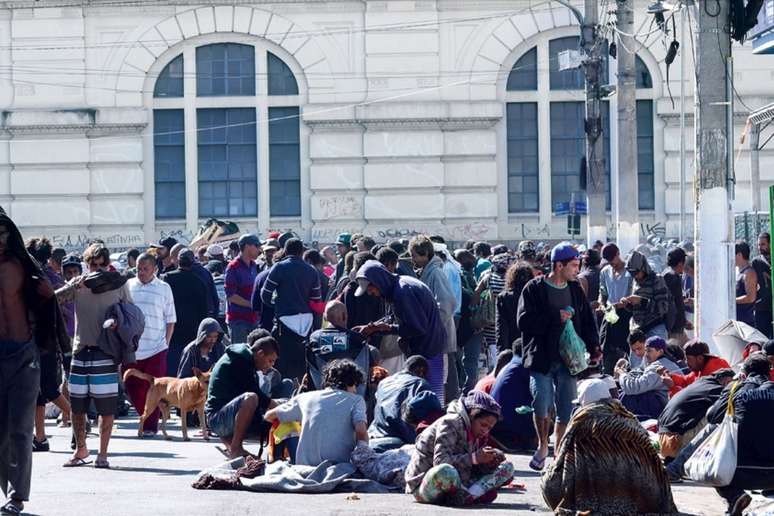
[{"x": 572, "y": 349}]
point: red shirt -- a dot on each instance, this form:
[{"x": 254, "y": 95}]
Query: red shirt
[{"x": 711, "y": 365}]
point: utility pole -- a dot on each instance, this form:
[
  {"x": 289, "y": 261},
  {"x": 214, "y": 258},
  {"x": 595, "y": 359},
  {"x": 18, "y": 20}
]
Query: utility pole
[
  {"x": 715, "y": 302},
  {"x": 627, "y": 208},
  {"x": 596, "y": 186}
]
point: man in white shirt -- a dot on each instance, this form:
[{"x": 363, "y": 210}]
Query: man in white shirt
[{"x": 154, "y": 298}]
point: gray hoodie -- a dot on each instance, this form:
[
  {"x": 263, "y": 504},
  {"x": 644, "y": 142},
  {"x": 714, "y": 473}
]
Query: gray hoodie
[
  {"x": 192, "y": 356},
  {"x": 434, "y": 276},
  {"x": 641, "y": 381}
]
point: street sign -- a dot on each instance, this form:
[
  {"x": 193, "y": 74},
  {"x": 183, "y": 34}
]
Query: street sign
[
  {"x": 580, "y": 207},
  {"x": 562, "y": 208},
  {"x": 762, "y": 35}
]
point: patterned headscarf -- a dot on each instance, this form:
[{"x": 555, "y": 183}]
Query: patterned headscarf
[{"x": 482, "y": 401}]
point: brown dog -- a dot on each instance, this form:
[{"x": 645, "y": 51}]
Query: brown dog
[{"x": 188, "y": 394}]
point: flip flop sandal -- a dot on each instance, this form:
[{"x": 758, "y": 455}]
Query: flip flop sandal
[
  {"x": 76, "y": 463},
  {"x": 223, "y": 452},
  {"x": 10, "y": 509},
  {"x": 102, "y": 464},
  {"x": 537, "y": 464}
]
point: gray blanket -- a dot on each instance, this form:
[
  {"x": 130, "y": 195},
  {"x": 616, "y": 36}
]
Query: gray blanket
[{"x": 283, "y": 477}]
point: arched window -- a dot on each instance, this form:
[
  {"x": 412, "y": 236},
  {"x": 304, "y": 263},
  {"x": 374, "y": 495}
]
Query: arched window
[
  {"x": 208, "y": 135},
  {"x": 538, "y": 91}
]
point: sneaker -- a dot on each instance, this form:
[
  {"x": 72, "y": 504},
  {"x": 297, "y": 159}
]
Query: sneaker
[
  {"x": 741, "y": 503},
  {"x": 40, "y": 446}
]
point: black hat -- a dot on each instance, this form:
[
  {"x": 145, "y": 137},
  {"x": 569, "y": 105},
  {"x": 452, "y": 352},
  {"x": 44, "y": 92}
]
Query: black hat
[
  {"x": 72, "y": 260},
  {"x": 168, "y": 242}
]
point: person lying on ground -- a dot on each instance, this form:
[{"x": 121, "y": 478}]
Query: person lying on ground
[
  {"x": 332, "y": 420},
  {"x": 606, "y": 464},
  {"x": 235, "y": 402},
  {"x": 685, "y": 414},
  {"x": 388, "y": 429},
  {"x": 451, "y": 465},
  {"x": 645, "y": 392}
]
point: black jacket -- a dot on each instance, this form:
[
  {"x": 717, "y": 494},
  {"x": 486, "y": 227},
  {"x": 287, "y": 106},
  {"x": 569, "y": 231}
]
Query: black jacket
[
  {"x": 753, "y": 409},
  {"x": 686, "y": 408},
  {"x": 541, "y": 326},
  {"x": 506, "y": 322}
]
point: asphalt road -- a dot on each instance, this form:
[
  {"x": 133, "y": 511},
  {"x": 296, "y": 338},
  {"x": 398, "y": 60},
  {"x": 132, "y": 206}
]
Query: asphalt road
[{"x": 153, "y": 477}]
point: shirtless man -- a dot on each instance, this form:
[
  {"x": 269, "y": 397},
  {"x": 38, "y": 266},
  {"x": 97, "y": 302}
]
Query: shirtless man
[{"x": 19, "y": 370}]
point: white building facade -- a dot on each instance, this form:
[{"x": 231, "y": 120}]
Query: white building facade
[{"x": 132, "y": 120}]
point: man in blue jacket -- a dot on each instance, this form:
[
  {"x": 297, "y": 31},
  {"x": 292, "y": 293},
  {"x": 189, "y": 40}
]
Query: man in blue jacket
[
  {"x": 417, "y": 317},
  {"x": 389, "y": 430}
]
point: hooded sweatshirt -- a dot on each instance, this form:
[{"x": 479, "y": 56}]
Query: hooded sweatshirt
[
  {"x": 192, "y": 356},
  {"x": 655, "y": 307},
  {"x": 434, "y": 276},
  {"x": 233, "y": 375},
  {"x": 414, "y": 306}
]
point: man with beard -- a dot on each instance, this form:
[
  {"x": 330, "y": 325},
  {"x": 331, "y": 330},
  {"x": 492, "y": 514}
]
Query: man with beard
[{"x": 30, "y": 324}]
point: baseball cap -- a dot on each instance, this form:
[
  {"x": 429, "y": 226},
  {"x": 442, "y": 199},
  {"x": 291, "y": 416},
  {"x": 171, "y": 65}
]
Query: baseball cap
[
  {"x": 362, "y": 287},
  {"x": 696, "y": 348},
  {"x": 344, "y": 239},
  {"x": 248, "y": 239},
  {"x": 271, "y": 244},
  {"x": 656, "y": 343},
  {"x": 591, "y": 391},
  {"x": 563, "y": 251},
  {"x": 72, "y": 260},
  {"x": 214, "y": 250}
]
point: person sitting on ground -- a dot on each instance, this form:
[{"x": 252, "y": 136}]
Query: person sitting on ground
[
  {"x": 388, "y": 429},
  {"x": 486, "y": 383},
  {"x": 700, "y": 362},
  {"x": 421, "y": 411},
  {"x": 636, "y": 350},
  {"x": 235, "y": 402},
  {"x": 332, "y": 420},
  {"x": 606, "y": 464},
  {"x": 644, "y": 392},
  {"x": 450, "y": 464},
  {"x": 515, "y": 430},
  {"x": 684, "y": 415},
  {"x": 205, "y": 351}
]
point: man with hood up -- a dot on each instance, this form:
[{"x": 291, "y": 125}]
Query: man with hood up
[
  {"x": 650, "y": 304},
  {"x": 30, "y": 324},
  {"x": 204, "y": 351},
  {"x": 418, "y": 320}
]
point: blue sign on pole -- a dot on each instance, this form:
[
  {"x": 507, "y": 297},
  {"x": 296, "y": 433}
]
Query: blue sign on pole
[
  {"x": 762, "y": 35},
  {"x": 580, "y": 207},
  {"x": 562, "y": 208}
]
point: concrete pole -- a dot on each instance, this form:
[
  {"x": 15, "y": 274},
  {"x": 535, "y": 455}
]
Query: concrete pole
[
  {"x": 713, "y": 235},
  {"x": 595, "y": 150},
  {"x": 683, "y": 38},
  {"x": 627, "y": 222},
  {"x": 755, "y": 174}
]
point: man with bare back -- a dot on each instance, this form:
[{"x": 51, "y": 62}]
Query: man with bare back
[{"x": 29, "y": 323}]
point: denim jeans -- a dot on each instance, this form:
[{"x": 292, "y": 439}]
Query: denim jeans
[
  {"x": 556, "y": 387},
  {"x": 239, "y": 331},
  {"x": 471, "y": 351}
]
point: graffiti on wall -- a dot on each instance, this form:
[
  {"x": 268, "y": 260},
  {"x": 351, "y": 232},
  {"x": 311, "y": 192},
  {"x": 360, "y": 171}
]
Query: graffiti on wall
[
  {"x": 76, "y": 242},
  {"x": 344, "y": 207}
]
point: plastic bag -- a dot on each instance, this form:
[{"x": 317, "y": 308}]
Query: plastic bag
[
  {"x": 611, "y": 315},
  {"x": 572, "y": 349},
  {"x": 713, "y": 463}
]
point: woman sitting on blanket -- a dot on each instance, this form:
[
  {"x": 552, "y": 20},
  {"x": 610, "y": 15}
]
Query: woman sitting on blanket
[{"x": 451, "y": 465}]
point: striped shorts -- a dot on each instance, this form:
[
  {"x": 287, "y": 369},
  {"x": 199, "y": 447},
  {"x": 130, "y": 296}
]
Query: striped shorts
[{"x": 93, "y": 376}]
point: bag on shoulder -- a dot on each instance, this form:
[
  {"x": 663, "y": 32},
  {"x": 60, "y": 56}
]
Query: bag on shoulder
[
  {"x": 485, "y": 314},
  {"x": 713, "y": 463}
]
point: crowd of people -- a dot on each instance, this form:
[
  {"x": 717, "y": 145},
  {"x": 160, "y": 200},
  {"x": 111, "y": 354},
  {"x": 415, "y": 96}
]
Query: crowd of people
[{"x": 359, "y": 349}]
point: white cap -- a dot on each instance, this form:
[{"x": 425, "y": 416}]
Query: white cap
[
  {"x": 591, "y": 391},
  {"x": 362, "y": 287},
  {"x": 214, "y": 250}
]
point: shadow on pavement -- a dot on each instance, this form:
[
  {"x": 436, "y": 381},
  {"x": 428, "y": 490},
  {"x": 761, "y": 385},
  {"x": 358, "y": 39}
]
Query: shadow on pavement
[{"x": 158, "y": 471}]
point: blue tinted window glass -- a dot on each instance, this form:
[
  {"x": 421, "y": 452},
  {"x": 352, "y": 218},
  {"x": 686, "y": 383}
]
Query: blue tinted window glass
[
  {"x": 227, "y": 162},
  {"x": 284, "y": 162},
  {"x": 225, "y": 69},
  {"x": 170, "y": 80},
  {"x": 169, "y": 163},
  {"x": 523, "y": 75},
  {"x": 643, "y": 80},
  {"x": 281, "y": 78},
  {"x": 645, "y": 167},
  {"x": 523, "y": 164}
]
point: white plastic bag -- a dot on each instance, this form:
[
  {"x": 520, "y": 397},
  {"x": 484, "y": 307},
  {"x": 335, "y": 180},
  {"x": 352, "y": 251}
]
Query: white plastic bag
[{"x": 713, "y": 463}]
